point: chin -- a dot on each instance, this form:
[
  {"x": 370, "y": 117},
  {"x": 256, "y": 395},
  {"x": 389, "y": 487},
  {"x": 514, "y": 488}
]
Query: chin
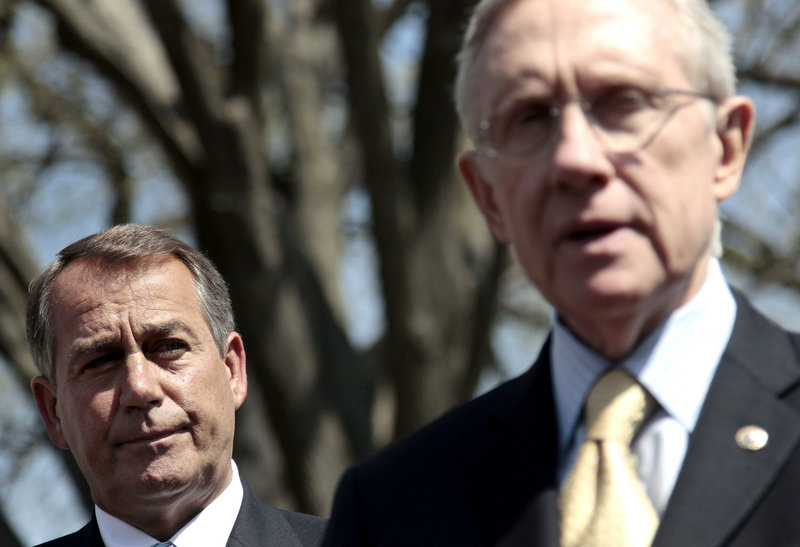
[
  {"x": 600, "y": 303},
  {"x": 610, "y": 287},
  {"x": 163, "y": 475}
]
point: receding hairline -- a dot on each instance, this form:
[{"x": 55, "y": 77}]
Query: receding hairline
[
  {"x": 124, "y": 270},
  {"x": 706, "y": 36},
  {"x": 128, "y": 264}
]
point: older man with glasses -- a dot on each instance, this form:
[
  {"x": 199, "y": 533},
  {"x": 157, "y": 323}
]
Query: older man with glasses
[{"x": 663, "y": 409}]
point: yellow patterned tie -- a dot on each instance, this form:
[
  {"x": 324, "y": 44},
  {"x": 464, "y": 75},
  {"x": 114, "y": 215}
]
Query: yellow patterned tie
[{"x": 602, "y": 502}]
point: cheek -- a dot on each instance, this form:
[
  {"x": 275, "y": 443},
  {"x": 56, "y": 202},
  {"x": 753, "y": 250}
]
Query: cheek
[
  {"x": 522, "y": 205},
  {"x": 85, "y": 420},
  {"x": 692, "y": 191},
  {"x": 207, "y": 392},
  {"x": 679, "y": 170},
  {"x": 683, "y": 209}
]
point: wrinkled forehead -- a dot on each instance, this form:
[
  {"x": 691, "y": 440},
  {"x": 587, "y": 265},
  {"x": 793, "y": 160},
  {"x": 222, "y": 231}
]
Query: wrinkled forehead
[
  {"x": 90, "y": 279},
  {"x": 554, "y": 39},
  {"x": 85, "y": 271}
]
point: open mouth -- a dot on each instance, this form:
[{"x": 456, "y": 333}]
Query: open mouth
[{"x": 594, "y": 230}]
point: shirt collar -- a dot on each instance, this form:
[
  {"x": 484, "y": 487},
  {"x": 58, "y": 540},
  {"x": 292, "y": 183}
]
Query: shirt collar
[
  {"x": 676, "y": 362},
  {"x": 211, "y": 527}
]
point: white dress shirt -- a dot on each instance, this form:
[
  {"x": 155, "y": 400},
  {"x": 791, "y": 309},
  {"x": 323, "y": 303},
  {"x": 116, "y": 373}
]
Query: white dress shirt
[
  {"x": 676, "y": 363},
  {"x": 209, "y": 528}
]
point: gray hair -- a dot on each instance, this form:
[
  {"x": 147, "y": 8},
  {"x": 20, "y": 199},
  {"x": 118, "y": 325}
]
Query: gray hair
[
  {"x": 706, "y": 51},
  {"x": 119, "y": 245}
]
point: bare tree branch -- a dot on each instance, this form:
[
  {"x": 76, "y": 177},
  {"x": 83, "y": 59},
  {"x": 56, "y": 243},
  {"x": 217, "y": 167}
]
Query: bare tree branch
[
  {"x": 764, "y": 76},
  {"x": 204, "y": 100},
  {"x": 247, "y": 20},
  {"x": 435, "y": 122},
  {"x": 761, "y": 139},
  {"x": 7, "y": 535},
  {"x": 391, "y": 212},
  {"x": 750, "y": 253},
  {"x": 480, "y": 353},
  {"x": 142, "y": 86},
  {"x": 391, "y": 14},
  {"x": 17, "y": 268},
  {"x": 59, "y": 110}
]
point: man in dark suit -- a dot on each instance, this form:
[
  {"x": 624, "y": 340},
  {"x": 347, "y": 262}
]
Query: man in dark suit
[
  {"x": 606, "y": 133},
  {"x": 141, "y": 373}
]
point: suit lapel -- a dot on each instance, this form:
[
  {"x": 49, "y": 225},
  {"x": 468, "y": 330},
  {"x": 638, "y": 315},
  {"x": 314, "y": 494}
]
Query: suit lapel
[
  {"x": 260, "y": 524},
  {"x": 513, "y": 466},
  {"x": 94, "y": 537},
  {"x": 88, "y": 536},
  {"x": 720, "y": 482}
]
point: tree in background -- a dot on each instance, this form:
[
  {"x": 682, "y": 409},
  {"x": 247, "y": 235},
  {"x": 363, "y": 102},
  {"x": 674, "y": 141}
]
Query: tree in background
[{"x": 282, "y": 134}]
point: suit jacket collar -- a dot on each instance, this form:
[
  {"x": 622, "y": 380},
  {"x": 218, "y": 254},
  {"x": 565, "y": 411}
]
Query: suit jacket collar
[
  {"x": 260, "y": 524},
  {"x": 256, "y": 524},
  {"x": 720, "y": 482},
  {"x": 513, "y": 467},
  {"x": 88, "y": 536}
]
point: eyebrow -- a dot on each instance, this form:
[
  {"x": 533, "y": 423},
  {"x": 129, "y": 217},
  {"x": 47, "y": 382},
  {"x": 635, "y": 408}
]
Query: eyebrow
[
  {"x": 519, "y": 88},
  {"x": 170, "y": 327},
  {"x": 104, "y": 346}
]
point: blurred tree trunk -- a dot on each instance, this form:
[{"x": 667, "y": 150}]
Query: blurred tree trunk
[
  {"x": 7, "y": 536},
  {"x": 17, "y": 268}
]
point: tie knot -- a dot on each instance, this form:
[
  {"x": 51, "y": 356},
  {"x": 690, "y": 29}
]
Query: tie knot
[{"x": 617, "y": 406}]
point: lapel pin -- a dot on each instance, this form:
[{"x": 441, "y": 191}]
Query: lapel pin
[{"x": 752, "y": 438}]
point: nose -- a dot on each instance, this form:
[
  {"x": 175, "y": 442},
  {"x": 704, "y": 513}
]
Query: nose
[
  {"x": 579, "y": 155},
  {"x": 140, "y": 385}
]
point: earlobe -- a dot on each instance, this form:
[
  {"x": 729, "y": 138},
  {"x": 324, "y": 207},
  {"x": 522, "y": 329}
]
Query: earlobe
[
  {"x": 44, "y": 393},
  {"x": 236, "y": 363},
  {"x": 735, "y": 122},
  {"x": 483, "y": 194}
]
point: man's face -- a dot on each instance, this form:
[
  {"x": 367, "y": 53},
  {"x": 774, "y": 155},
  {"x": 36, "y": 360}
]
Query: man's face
[
  {"x": 143, "y": 399},
  {"x": 602, "y": 234}
]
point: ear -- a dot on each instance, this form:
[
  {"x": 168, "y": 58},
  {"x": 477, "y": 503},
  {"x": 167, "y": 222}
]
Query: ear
[
  {"x": 483, "y": 193},
  {"x": 735, "y": 122},
  {"x": 44, "y": 393},
  {"x": 236, "y": 363}
]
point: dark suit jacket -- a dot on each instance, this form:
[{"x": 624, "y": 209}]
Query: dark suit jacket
[
  {"x": 257, "y": 524},
  {"x": 484, "y": 474}
]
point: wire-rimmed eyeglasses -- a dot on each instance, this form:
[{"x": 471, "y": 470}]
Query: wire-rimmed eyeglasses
[{"x": 624, "y": 118}]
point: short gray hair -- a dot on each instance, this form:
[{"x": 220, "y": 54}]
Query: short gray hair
[
  {"x": 119, "y": 245},
  {"x": 706, "y": 53}
]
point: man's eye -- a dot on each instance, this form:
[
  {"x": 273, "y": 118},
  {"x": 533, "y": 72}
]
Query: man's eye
[
  {"x": 524, "y": 124},
  {"x": 622, "y": 101},
  {"x": 623, "y": 109},
  {"x": 168, "y": 349},
  {"x": 98, "y": 363},
  {"x": 529, "y": 114}
]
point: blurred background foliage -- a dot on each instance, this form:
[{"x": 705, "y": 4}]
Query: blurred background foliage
[{"x": 307, "y": 147}]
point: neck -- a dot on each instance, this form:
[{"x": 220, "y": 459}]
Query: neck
[
  {"x": 615, "y": 332},
  {"x": 162, "y": 516}
]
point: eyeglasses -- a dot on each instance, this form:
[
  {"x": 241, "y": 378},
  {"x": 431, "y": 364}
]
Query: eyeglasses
[{"x": 625, "y": 119}]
